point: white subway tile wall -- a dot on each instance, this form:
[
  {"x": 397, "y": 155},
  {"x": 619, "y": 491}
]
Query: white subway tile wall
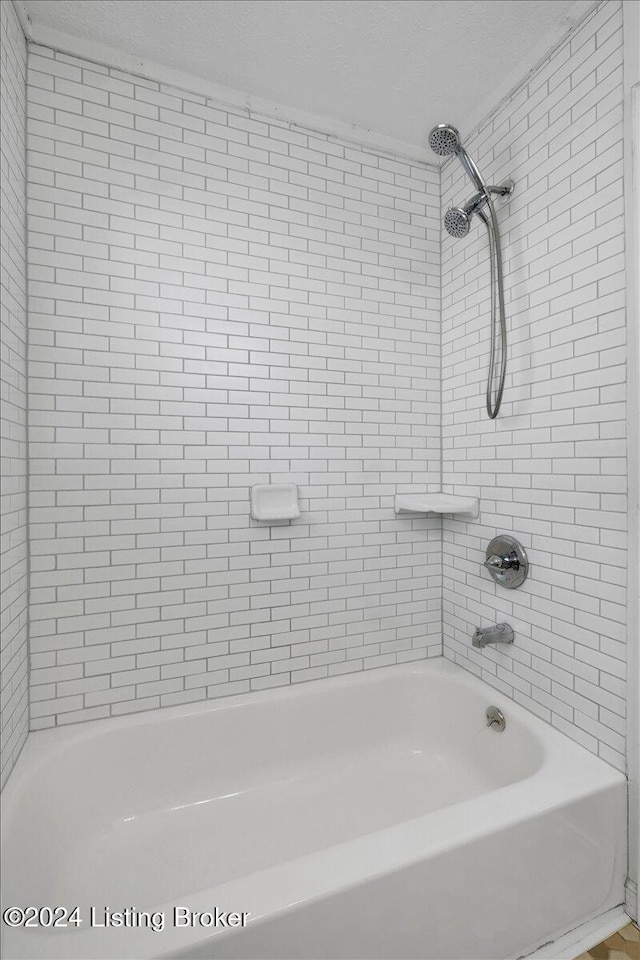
[
  {"x": 552, "y": 469},
  {"x": 14, "y": 720},
  {"x": 218, "y": 300}
]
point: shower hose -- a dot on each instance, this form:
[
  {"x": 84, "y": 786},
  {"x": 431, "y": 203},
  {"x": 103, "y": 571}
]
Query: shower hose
[{"x": 498, "y": 316}]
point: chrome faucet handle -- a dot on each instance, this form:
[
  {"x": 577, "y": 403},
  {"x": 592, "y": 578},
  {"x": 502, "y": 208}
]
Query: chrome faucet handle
[{"x": 505, "y": 561}]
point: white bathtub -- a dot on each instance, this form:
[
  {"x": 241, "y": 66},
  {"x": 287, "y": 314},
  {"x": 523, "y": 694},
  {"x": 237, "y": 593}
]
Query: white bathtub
[{"x": 367, "y": 816}]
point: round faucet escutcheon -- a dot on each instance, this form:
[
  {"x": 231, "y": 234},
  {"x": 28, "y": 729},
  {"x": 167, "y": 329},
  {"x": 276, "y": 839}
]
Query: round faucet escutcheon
[{"x": 507, "y": 561}]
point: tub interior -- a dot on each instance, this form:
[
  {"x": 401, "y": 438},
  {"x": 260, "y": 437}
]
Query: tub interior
[{"x": 183, "y": 802}]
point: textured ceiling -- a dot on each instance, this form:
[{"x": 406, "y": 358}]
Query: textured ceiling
[{"x": 391, "y": 66}]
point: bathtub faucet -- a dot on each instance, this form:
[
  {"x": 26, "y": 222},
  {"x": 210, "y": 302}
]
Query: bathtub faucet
[{"x": 501, "y": 633}]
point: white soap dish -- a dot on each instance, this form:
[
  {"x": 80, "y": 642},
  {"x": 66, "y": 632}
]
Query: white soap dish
[
  {"x": 437, "y": 503},
  {"x": 274, "y": 501}
]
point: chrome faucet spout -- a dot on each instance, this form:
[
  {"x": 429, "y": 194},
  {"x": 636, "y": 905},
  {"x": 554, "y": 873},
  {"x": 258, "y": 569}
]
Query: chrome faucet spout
[{"x": 501, "y": 633}]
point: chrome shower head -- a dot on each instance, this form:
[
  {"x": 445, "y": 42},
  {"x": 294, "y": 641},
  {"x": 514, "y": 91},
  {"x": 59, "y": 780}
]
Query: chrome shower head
[
  {"x": 444, "y": 140},
  {"x": 457, "y": 222}
]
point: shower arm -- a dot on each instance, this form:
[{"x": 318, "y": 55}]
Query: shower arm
[
  {"x": 501, "y": 189},
  {"x": 480, "y": 199}
]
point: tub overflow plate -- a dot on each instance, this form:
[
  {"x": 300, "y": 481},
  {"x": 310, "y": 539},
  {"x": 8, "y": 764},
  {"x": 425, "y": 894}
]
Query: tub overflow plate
[{"x": 495, "y": 719}]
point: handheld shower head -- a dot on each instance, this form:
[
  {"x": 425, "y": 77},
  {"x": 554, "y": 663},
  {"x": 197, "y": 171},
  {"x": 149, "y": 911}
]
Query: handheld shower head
[{"x": 444, "y": 140}]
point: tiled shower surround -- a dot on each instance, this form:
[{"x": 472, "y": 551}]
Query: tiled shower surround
[
  {"x": 216, "y": 301},
  {"x": 551, "y": 469},
  {"x": 219, "y": 299},
  {"x": 13, "y": 334}
]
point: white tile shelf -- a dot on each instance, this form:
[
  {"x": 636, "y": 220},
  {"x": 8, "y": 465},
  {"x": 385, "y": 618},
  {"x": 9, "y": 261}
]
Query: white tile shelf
[{"x": 437, "y": 503}]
